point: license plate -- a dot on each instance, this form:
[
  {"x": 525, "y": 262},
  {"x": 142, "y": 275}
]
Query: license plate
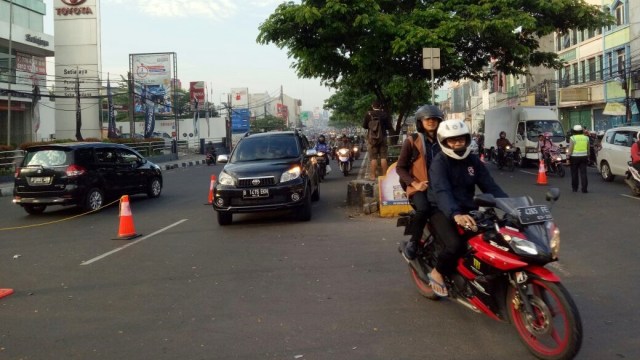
[
  {"x": 255, "y": 193},
  {"x": 43, "y": 180},
  {"x": 534, "y": 214}
]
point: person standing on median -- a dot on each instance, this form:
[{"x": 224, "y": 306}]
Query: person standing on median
[
  {"x": 377, "y": 122},
  {"x": 578, "y": 155},
  {"x": 418, "y": 151}
]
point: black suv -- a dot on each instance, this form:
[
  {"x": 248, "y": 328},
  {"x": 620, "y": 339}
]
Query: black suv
[
  {"x": 82, "y": 174},
  {"x": 267, "y": 171}
]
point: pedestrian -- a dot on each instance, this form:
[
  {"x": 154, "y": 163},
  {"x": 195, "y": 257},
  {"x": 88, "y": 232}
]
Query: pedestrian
[
  {"x": 377, "y": 122},
  {"x": 578, "y": 155},
  {"x": 455, "y": 174},
  {"x": 416, "y": 155}
]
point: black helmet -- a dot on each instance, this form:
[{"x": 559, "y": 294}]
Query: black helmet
[
  {"x": 427, "y": 111},
  {"x": 321, "y": 139}
]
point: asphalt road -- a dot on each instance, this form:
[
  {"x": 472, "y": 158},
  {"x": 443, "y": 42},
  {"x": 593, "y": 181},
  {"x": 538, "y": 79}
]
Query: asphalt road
[{"x": 270, "y": 287}]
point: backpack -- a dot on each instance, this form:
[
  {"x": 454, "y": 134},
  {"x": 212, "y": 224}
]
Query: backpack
[
  {"x": 414, "y": 156},
  {"x": 375, "y": 134}
]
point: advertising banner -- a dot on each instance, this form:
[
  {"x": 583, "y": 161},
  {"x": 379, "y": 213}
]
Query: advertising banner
[
  {"x": 196, "y": 91},
  {"x": 30, "y": 70}
]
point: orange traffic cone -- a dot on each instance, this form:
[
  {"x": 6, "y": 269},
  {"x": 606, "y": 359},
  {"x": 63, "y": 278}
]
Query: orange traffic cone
[
  {"x": 126, "y": 231},
  {"x": 5, "y": 292},
  {"x": 542, "y": 174},
  {"x": 211, "y": 186}
]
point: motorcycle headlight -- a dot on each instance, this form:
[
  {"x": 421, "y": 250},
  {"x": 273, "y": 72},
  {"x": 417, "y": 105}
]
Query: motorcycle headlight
[
  {"x": 559, "y": 158},
  {"x": 320, "y": 153},
  {"x": 343, "y": 152},
  {"x": 523, "y": 245},
  {"x": 508, "y": 147},
  {"x": 225, "y": 179},
  {"x": 291, "y": 174},
  {"x": 355, "y": 149}
]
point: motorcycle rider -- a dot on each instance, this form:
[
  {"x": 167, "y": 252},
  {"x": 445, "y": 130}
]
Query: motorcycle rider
[
  {"x": 454, "y": 175},
  {"x": 211, "y": 151},
  {"x": 416, "y": 155},
  {"x": 544, "y": 148},
  {"x": 322, "y": 146},
  {"x": 501, "y": 145},
  {"x": 635, "y": 153},
  {"x": 344, "y": 142}
]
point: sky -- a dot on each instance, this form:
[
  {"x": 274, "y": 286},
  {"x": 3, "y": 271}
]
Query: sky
[{"x": 214, "y": 42}]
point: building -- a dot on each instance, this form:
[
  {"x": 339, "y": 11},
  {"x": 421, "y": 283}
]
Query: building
[{"x": 24, "y": 49}]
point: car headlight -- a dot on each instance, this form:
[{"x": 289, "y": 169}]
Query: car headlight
[
  {"x": 225, "y": 179},
  {"x": 291, "y": 174}
]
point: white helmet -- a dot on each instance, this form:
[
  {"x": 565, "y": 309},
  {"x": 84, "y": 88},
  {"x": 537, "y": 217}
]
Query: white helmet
[
  {"x": 577, "y": 128},
  {"x": 450, "y": 129}
]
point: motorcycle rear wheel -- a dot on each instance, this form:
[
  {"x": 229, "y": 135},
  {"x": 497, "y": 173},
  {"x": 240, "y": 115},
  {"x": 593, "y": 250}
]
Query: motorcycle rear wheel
[
  {"x": 423, "y": 287},
  {"x": 555, "y": 331}
]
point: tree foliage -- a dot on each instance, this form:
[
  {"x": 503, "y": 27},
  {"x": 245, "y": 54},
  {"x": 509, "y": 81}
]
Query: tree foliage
[
  {"x": 268, "y": 123},
  {"x": 374, "y": 47}
]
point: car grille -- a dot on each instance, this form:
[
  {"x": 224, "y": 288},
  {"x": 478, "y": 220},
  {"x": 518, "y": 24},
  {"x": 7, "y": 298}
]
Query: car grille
[{"x": 256, "y": 182}]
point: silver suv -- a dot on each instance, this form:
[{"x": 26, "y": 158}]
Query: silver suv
[{"x": 615, "y": 151}]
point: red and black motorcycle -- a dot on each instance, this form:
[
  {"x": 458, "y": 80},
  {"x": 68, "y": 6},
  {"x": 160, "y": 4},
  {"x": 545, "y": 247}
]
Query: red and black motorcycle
[{"x": 502, "y": 273}]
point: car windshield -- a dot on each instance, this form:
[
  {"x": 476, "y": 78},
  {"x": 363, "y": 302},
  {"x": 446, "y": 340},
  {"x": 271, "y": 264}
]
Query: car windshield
[
  {"x": 47, "y": 158},
  {"x": 537, "y": 127},
  {"x": 265, "y": 148}
]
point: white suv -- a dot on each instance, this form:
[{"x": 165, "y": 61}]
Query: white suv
[{"x": 615, "y": 151}]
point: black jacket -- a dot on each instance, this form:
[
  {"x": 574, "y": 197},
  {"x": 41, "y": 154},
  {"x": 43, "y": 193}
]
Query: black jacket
[{"x": 453, "y": 183}]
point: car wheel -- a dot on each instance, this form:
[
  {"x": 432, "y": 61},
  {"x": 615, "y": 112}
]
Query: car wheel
[
  {"x": 34, "y": 209},
  {"x": 93, "y": 200},
  {"x": 304, "y": 214},
  {"x": 605, "y": 172},
  {"x": 155, "y": 188},
  {"x": 224, "y": 218}
]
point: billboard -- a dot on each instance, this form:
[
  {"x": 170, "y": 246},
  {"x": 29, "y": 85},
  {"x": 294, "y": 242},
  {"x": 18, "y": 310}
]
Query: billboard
[
  {"x": 31, "y": 70},
  {"x": 152, "y": 70},
  {"x": 240, "y": 120}
]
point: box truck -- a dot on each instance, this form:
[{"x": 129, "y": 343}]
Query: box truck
[{"x": 523, "y": 125}]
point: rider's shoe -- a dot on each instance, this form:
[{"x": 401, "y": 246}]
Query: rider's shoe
[{"x": 410, "y": 250}]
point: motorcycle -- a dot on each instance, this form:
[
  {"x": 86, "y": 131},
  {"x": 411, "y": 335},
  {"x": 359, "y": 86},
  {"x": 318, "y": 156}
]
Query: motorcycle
[
  {"x": 554, "y": 163},
  {"x": 321, "y": 160},
  {"x": 508, "y": 159},
  {"x": 210, "y": 158},
  {"x": 344, "y": 159},
  {"x": 632, "y": 178},
  {"x": 356, "y": 152},
  {"x": 502, "y": 272}
]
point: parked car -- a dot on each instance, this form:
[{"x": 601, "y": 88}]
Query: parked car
[
  {"x": 82, "y": 174},
  {"x": 615, "y": 151},
  {"x": 267, "y": 171}
]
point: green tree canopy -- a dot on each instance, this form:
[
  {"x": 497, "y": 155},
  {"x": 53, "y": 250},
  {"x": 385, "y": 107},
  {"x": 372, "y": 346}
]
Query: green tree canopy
[
  {"x": 268, "y": 123},
  {"x": 375, "y": 47}
]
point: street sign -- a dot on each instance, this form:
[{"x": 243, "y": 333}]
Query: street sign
[{"x": 431, "y": 58}]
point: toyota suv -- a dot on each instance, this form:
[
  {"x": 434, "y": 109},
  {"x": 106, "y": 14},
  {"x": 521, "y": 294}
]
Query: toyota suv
[
  {"x": 267, "y": 171},
  {"x": 615, "y": 151},
  {"x": 82, "y": 174}
]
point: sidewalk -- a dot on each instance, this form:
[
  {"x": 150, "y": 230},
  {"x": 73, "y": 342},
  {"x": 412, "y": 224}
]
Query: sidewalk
[{"x": 184, "y": 160}]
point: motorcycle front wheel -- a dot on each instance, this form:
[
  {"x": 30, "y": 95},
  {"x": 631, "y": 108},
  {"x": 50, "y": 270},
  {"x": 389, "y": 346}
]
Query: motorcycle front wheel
[
  {"x": 561, "y": 171},
  {"x": 554, "y": 330},
  {"x": 510, "y": 164}
]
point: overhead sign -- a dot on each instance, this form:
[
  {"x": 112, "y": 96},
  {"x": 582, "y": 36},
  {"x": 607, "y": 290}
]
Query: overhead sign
[
  {"x": 615, "y": 109},
  {"x": 574, "y": 94}
]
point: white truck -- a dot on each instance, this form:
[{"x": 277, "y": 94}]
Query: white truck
[{"x": 523, "y": 125}]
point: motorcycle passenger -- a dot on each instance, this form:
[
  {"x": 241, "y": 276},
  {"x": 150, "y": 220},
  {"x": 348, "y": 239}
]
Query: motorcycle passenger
[
  {"x": 545, "y": 145},
  {"x": 501, "y": 145},
  {"x": 416, "y": 155},
  {"x": 635, "y": 153},
  {"x": 454, "y": 175}
]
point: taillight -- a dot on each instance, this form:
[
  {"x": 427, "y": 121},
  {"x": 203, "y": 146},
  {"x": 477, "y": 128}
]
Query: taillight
[{"x": 75, "y": 170}]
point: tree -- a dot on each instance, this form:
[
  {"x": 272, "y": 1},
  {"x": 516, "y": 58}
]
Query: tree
[
  {"x": 375, "y": 46},
  {"x": 267, "y": 123}
]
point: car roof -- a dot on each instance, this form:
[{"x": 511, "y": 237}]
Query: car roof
[
  {"x": 632, "y": 128},
  {"x": 272, "y": 133},
  {"x": 74, "y": 145}
]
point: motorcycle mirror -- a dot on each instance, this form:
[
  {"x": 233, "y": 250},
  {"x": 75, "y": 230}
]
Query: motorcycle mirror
[
  {"x": 484, "y": 200},
  {"x": 553, "y": 194}
]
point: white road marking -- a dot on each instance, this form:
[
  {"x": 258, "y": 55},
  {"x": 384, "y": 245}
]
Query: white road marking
[{"x": 131, "y": 243}]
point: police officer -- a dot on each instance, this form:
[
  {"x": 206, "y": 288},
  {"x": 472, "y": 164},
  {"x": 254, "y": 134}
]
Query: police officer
[{"x": 578, "y": 155}]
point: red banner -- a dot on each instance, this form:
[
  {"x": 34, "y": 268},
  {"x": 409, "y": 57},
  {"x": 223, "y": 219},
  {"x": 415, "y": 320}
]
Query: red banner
[{"x": 196, "y": 90}]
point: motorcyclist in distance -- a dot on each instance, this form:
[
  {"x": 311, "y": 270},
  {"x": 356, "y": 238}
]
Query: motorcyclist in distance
[
  {"x": 501, "y": 145},
  {"x": 544, "y": 148},
  {"x": 344, "y": 142}
]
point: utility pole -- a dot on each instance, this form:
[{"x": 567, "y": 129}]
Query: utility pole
[
  {"x": 10, "y": 73},
  {"x": 132, "y": 103}
]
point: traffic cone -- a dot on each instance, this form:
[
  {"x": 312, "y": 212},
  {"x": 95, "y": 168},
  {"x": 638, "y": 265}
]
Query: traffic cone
[
  {"x": 542, "y": 174},
  {"x": 126, "y": 231},
  {"x": 211, "y": 186},
  {"x": 5, "y": 292}
]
